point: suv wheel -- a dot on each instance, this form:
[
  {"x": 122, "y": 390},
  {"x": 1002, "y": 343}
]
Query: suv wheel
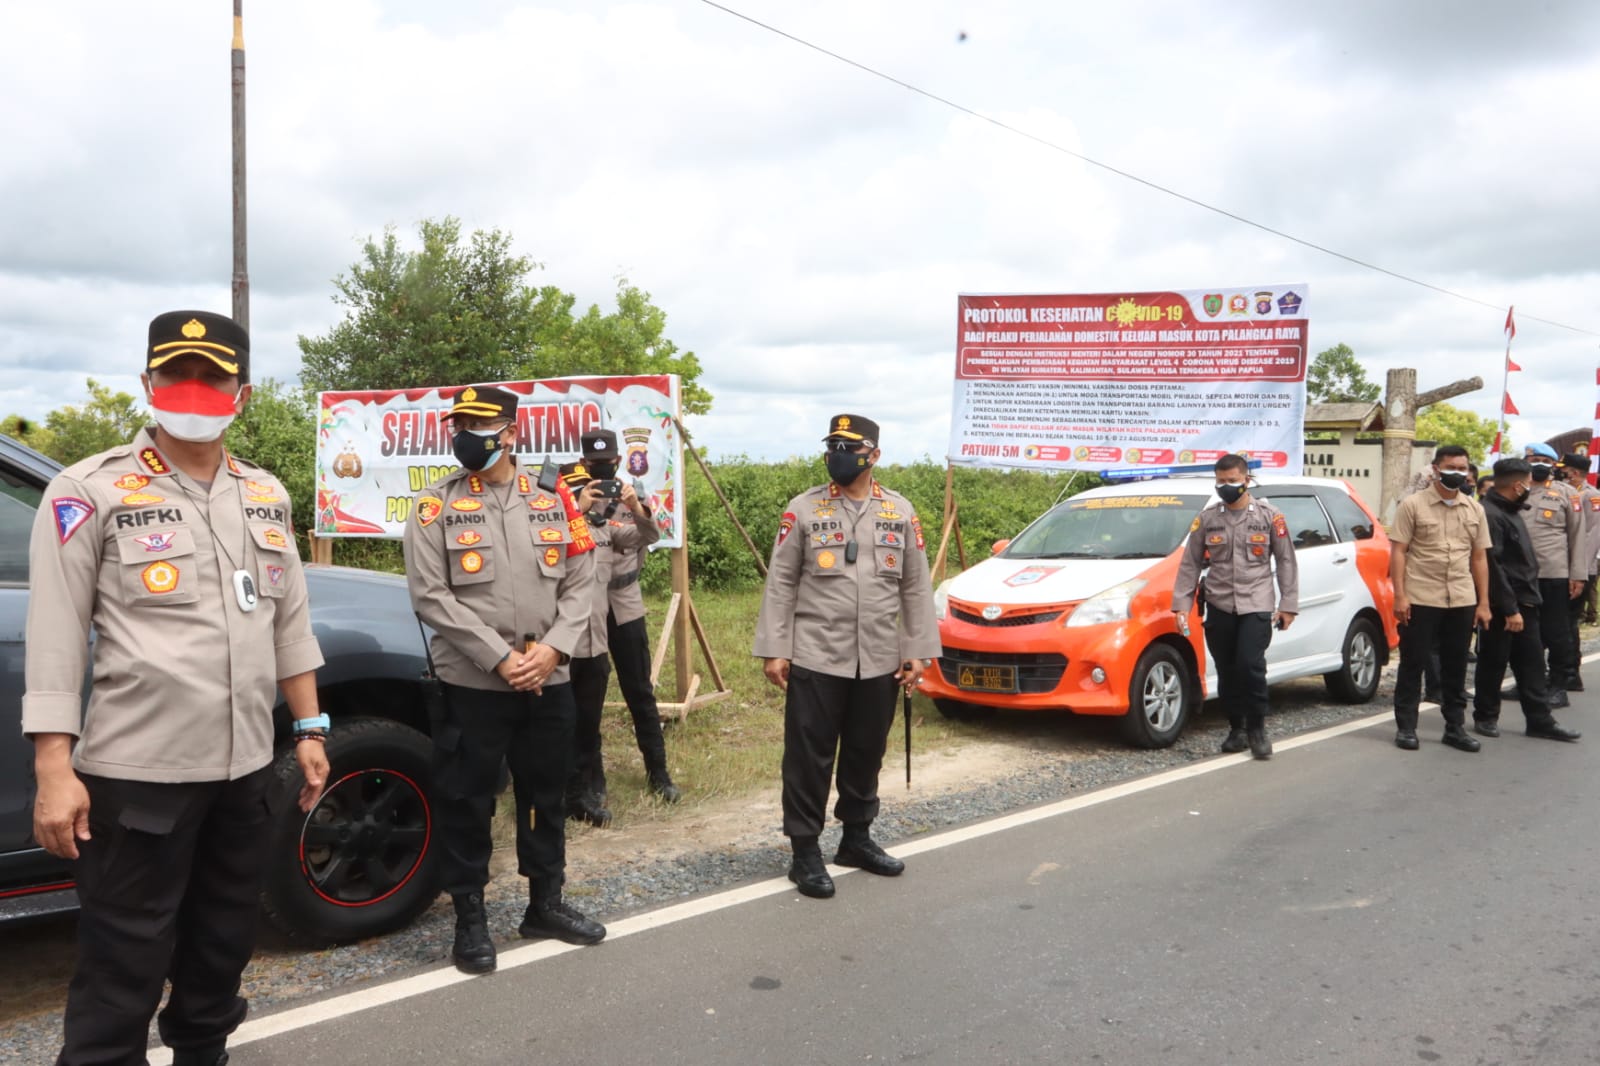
[
  {"x": 1357, "y": 680},
  {"x": 363, "y": 861},
  {"x": 1159, "y": 698}
]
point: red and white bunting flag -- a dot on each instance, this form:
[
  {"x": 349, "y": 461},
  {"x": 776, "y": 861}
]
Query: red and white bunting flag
[
  {"x": 1510, "y": 408},
  {"x": 1511, "y": 324},
  {"x": 1511, "y": 368}
]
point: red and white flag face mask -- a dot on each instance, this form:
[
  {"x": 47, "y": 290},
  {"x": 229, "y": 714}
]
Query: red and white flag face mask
[{"x": 193, "y": 411}]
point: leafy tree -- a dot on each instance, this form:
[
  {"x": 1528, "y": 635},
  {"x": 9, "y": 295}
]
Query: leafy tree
[
  {"x": 31, "y": 433},
  {"x": 72, "y": 433},
  {"x": 1336, "y": 377},
  {"x": 1448, "y": 424},
  {"x": 455, "y": 311},
  {"x": 278, "y": 430}
]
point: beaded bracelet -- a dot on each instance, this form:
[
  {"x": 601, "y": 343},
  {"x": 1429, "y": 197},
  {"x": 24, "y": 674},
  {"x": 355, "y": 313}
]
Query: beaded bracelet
[{"x": 311, "y": 736}]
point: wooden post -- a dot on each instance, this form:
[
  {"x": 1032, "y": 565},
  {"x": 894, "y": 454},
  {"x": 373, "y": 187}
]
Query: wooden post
[
  {"x": 681, "y": 631},
  {"x": 948, "y": 525},
  {"x": 241, "y": 271},
  {"x": 1399, "y": 430}
]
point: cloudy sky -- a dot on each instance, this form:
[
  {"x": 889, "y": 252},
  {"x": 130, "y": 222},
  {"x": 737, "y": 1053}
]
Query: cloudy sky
[{"x": 807, "y": 226}]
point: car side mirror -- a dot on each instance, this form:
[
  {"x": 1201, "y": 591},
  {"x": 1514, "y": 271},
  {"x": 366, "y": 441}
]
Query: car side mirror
[{"x": 1000, "y": 545}]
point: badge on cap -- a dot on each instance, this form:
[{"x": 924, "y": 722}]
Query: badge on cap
[{"x": 70, "y": 513}]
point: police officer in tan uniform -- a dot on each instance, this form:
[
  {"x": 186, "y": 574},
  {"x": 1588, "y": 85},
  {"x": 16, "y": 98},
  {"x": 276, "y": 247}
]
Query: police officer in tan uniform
[
  {"x": 1439, "y": 565},
  {"x": 1575, "y": 468},
  {"x": 1239, "y": 539},
  {"x": 502, "y": 569},
  {"x": 848, "y": 565},
  {"x": 182, "y": 558},
  {"x": 603, "y": 503},
  {"x": 1556, "y": 527}
]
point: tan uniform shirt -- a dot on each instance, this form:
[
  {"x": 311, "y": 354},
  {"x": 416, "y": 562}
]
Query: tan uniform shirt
[
  {"x": 184, "y": 679},
  {"x": 1440, "y": 539},
  {"x": 1589, "y": 502},
  {"x": 1240, "y": 547},
  {"x": 619, "y": 542},
  {"x": 624, "y": 596},
  {"x": 1555, "y": 526},
  {"x": 489, "y": 564},
  {"x": 827, "y": 614}
]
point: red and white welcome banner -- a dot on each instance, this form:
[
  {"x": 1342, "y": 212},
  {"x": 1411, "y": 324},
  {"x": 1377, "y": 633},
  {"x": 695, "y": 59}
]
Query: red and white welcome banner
[
  {"x": 1131, "y": 379},
  {"x": 377, "y": 449}
]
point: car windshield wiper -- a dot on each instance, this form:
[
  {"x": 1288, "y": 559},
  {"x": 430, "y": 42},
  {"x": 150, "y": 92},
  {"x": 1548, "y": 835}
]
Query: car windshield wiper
[
  {"x": 1068, "y": 555},
  {"x": 1137, "y": 555}
]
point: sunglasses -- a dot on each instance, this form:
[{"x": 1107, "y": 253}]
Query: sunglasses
[{"x": 842, "y": 446}]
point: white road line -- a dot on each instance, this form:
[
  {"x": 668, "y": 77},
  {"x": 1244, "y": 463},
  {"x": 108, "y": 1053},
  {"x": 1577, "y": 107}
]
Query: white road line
[{"x": 431, "y": 981}]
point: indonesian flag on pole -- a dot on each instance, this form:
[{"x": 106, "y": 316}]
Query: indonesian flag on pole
[
  {"x": 1511, "y": 408},
  {"x": 1594, "y": 441}
]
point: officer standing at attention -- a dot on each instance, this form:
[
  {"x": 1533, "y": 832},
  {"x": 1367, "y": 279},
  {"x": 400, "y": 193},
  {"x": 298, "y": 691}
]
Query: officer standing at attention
[
  {"x": 848, "y": 565},
  {"x": 503, "y": 571},
  {"x": 1556, "y": 526},
  {"x": 1239, "y": 539},
  {"x": 1575, "y": 468},
  {"x": 1439, "y": 564},
  {"x": 1513, "y": 635},
  {"x": 182, "y": 559}
]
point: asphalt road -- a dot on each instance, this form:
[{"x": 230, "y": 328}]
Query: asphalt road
[{"x": 1346, "y": 902}]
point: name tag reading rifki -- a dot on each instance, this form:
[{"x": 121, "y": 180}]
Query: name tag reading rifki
[{"x": 159, "y": 515}]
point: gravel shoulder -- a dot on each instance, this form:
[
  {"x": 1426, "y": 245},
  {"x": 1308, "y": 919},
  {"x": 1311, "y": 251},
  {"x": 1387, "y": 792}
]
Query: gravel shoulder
[{"x": 669, "y": 854}]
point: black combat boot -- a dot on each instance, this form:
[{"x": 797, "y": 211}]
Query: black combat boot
[
  {"x": 858, "y": 849},
  {"x": 210, "y": 1055},
  {"x": 586, "y": 806},
  {"x": 1550, "y": 729},
  {"x": 548, "y": 916},
  {"x": 1235, "y": 741},
  {"x": 473, "y": 951},
  {"x": 807, "y": 871},
  {"x": 1260, "y": 746},
  {"x": 1456, "y": 737},
  {"x": 661, "y": 783}
]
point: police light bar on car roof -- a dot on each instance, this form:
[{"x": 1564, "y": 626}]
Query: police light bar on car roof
[{"x": 1135, "y": 473}]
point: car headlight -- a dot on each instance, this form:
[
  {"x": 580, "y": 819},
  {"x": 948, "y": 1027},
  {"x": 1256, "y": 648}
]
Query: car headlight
[
  {"x": 941, "y": 599},
  {"x": 1109, "y": 606}
]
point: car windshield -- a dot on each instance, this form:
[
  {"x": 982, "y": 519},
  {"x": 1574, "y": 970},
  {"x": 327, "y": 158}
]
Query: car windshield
[{"x": 1109, "y": 527}]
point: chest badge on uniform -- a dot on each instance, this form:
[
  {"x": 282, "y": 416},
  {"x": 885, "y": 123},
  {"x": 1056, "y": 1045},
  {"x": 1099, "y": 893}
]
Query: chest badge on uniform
[
  {"x": 160, "y": 578},
  {"x": 888, "y": 513},
  {"x": 469, "y": 538},
  {"x": 1549, "y": 514},
  {"x": 824, "y": 509},
  {"x": 130, "y": 482},
  {"x": 891, "y": 538},
  {"x": 71, "y": 513},
  {"x": 836, "y": 537},
  {"x": 1258, "y": 550},
  {"x": 264, "y": 499},
  {"x": 825, "y": 560},
  {"x": 471, "y": 562},
  {"x": 552, "y": 556},
  {"x": 541, "y": 502},
  {"x": 1258, "y": 538},
  {"x": 1216, "y": 538},
  {"x": 139, "y": 499},
  {"x": 466, "y": 505},
  {"x": 550, "y": 534},
  {"x": 260, "y": 488},
  {"x": 275, "y": 537},
  {"x": 274, "y": 575},
  {"x": 157, "y": 542},
  {"x": 428, "y": 509},
  {"x": 889, "y": 562}
]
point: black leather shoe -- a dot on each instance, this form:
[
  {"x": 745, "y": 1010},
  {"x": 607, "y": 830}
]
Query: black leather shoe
[
  {"x": 810, "y": 876},
  {"x": 1260, "y": 746},
  {"x": 555, "y": 920},
  {"x": 1486, "y": 727},
  {"x": 661, "y": 784},
  {"x": 1456, "y": 736},
  {"x": 1235, "y": 741},
  {"x": 212, "y": 1055},
  {"x": 1574, "y": 683},
  {"x": 586, "y": 807},
  {"x": 866, "y": 855},
  {"x": 1550, "y": 729},
  {"x": 1406, "y": 739},
  {"x": 473, "y": 951},
  {"x": 1558, "y": 699}
]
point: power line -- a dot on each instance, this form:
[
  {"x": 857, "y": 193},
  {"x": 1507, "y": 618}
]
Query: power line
[{"x": 1147, "y": 183}]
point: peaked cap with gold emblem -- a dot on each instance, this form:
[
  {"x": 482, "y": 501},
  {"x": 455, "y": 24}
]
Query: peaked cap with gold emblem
[
  {"x": 215, "y": 337},
  {"x": 853, "y": 427},
  {"x": 485, "y": 401}
]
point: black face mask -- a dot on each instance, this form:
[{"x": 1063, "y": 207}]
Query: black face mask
[
  {"x": 603, "y": 469},
  {"x": 1541, "y": 471},
  {"x": 1231, "y": 493},
  {"x": 475, "y": 452},
  {"x": 1453, "y": 480},
  {"x": 845, "y": 467},
  {"x": 1522, "y": 496}
]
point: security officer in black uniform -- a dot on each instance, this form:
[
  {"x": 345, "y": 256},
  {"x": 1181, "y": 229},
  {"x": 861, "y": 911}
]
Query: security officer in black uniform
[
  {"x": 502, "y": 569},
  {"x": 1514, "y": 594},
  {"x": 1239, "y": 539}
]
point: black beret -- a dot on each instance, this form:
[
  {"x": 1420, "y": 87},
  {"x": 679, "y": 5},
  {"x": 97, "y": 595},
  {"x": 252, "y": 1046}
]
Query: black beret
[
  {"x": 485, "y": 401},
  {"x": 599, "y": 444},
  {"x": 211, "y": 336}
]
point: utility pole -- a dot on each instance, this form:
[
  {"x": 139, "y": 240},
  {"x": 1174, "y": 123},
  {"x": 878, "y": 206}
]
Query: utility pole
[
  {"x": 1401, "y": 404},
  {"x": 241, "y": 271}
]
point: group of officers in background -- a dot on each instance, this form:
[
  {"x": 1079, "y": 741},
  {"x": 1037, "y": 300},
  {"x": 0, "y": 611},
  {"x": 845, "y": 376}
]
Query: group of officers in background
[{"x": 1517, "y": 566}]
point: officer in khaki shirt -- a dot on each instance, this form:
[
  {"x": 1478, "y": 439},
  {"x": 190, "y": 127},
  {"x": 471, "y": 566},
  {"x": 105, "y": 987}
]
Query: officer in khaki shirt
[
  {"x": 502, "y": 569},
  {"x": 1439, "y": 564},
  {"x": 1575, "y": 468},
  {"x": 182, "y": 558},
  {"x": 1555, "y": 525},
  {"x": 1240, "y": 539},
  {"x": 846, "y": 616}
]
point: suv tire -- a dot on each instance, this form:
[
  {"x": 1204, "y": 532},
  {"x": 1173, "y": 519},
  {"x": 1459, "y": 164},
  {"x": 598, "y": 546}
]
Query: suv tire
[
  {"x": 1160, "y": 697},
  {"x": 1357, "y": 680}
]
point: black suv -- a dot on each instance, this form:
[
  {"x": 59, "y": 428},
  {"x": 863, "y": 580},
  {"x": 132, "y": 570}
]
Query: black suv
[{"x": 362, "y": 862}]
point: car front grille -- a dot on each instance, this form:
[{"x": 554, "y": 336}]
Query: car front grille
[
  {"x": 1006, "y": 620},
  {"x": 1037, "y": 672}
]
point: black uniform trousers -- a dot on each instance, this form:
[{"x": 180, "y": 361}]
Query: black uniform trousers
[
  {"x": 1575, "y": 609},
  {"x": 1525, "y": 653},
  {"x": 824, "y": 715},
  {"x": 533, "y": 734},
  {"x": 1555, "y": 629},
  {"x": 1238, "y": 646},
  {"x": 590, "y": 676},
  {"x": 1449, "y": 629},
  {"x": 630, "y": 651},
  {"x": 170, "y": 887}
]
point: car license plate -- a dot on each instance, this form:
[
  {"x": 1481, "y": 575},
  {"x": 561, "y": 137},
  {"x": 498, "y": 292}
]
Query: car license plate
[{"x": 987, "y": 678}]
